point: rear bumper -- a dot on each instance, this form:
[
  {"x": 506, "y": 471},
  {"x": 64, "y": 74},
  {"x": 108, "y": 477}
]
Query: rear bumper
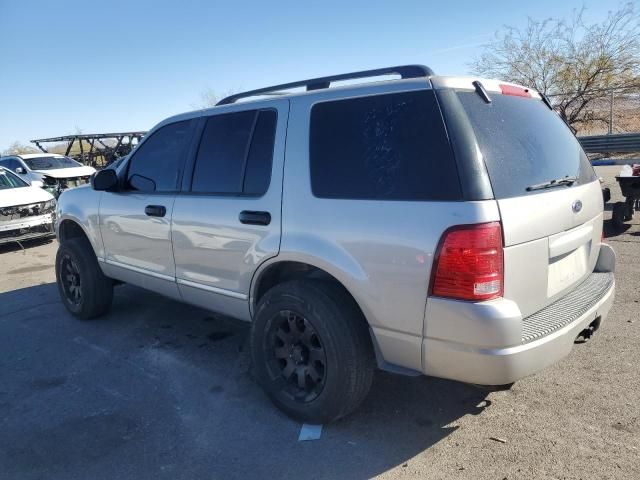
[{"x": 486, "y": 365}]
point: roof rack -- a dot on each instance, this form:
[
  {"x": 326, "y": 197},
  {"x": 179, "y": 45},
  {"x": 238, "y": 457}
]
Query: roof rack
[{"x": 405, "y": 71}]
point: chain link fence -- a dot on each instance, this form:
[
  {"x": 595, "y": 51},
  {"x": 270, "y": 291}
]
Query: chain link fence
[{"x": 612, "y": 111}]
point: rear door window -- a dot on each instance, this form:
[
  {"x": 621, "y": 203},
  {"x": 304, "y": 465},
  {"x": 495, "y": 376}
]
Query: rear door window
[
  {"x": 524, "y": 144},
  {"x": 382, "y": 147},
  {"x": 235, "y": 153}
]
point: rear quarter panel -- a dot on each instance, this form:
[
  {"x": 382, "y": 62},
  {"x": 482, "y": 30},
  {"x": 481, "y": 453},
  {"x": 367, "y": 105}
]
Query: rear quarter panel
[{"x": 381, "y": 251}]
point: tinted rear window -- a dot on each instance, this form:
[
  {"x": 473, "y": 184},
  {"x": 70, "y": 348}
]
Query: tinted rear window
[
  {"x": 383, "y": 147},
  {"x": 524, "y": 143}
]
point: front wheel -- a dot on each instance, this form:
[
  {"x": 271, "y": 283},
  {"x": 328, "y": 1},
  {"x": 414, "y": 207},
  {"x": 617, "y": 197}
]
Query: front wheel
[
  {"x": 83, "y": 288},
  {"x": 311, "y": 350}
]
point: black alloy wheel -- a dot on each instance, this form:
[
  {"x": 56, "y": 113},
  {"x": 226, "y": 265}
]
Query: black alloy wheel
[
  {"x": 298, "y": 356},
  {"x": 311, "y": 350},
  {"x": 71, "y": 280},
  {"x": 84, "y": 289}
]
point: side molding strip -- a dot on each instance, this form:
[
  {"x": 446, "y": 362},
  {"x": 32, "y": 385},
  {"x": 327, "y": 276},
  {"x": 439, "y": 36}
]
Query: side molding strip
[
  {"x": 144, "y": 271},
  {"x": 181, "y": 281},
  {"x": 208, "y": 288}
]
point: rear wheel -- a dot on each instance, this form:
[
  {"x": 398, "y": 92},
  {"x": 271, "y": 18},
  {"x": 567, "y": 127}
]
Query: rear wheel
[
  {"x": 83, "y": 288},
  {"x": 311, "y": 350}
]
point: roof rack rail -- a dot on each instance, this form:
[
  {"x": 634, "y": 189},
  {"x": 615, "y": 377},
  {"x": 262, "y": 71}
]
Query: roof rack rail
[{"x": 405, "y": 71}]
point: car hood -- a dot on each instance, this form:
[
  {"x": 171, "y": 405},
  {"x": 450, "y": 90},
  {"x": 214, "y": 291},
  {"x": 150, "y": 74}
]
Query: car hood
[
  {"x": 69, "y": 172},
  {"x": 11, "y": 197}
]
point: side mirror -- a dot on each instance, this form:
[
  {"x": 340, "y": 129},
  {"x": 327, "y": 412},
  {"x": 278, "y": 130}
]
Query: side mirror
[
  {"x": 105, "y": 180},
  {"x": 20, "y": 170}
]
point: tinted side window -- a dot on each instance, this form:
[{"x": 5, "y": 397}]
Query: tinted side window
[
  {"x": 235, "y": 153},
  {"x": 10, "y": 163},
  {"x": 223, "y": 148},
  {"x": 384, "y": 147},
  {"x": 156, "y": 163},
  {"x": 258, "y": 174}
]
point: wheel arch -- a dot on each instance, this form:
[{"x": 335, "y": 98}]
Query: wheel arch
[
  {"x": 70, "y": 227},
  {"x": 283, "y": 268}
]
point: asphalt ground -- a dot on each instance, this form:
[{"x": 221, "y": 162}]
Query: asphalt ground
[{"x": 161, "y": 390}]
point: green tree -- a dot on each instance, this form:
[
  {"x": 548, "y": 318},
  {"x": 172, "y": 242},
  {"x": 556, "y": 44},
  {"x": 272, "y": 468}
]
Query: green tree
[{"x": 569, "y": 60}]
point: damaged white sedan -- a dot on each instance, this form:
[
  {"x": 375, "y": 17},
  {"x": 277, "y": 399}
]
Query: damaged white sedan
[
  {"x": 55, "y": 173},
  {"x": 26, "y": 211}
]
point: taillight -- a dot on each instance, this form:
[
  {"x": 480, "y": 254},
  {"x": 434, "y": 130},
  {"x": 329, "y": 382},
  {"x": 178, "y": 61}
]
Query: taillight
[
  {"x": 515, "y": 91},
  {"x": 469, "y": 263}
]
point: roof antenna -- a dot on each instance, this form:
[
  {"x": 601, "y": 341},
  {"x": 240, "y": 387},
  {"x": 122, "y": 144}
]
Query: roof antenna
[{"x": 481, "y": 91}]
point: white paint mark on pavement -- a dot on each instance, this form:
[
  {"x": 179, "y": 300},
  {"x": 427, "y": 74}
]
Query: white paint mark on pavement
[{"x": 310, "y": 432}]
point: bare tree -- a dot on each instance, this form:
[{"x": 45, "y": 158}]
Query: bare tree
[
  {"x": 17, "y": 148},
  {"x": 209, "y": 98},
  {"x": 569, "y": 60}
]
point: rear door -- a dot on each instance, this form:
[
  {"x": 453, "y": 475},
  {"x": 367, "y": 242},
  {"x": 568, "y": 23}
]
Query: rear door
[
  {"x": 552, "y": 234},
  {"x": 227, "y": 219}
]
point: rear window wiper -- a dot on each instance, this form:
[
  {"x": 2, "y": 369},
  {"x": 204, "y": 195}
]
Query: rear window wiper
[{"x": 553, "y": 183}]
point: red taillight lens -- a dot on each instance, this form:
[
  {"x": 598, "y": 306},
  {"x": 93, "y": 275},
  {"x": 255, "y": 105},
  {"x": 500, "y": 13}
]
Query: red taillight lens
[
  {"x": 469, "y": 264},
  {"x": 515, "y": 91}
]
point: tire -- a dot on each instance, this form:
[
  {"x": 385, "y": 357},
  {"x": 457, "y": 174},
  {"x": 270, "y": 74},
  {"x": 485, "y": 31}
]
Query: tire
[
  {"x": 77, "y": 266},
  {"x": 316, "y": 328}
]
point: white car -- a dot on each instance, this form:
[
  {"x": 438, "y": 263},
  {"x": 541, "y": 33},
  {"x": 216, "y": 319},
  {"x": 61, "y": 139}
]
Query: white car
[
  {"x": 26, "y": 211},
  {"x": 53, "y": 172}
]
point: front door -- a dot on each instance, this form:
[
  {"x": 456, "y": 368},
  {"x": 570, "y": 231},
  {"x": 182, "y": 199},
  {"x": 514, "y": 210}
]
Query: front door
[
  {"x": 135, "y": 222},
  {"x": 227, "y": 220}
]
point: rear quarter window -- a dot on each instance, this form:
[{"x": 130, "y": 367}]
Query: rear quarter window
[
  {"x": 383, "y": 147},
  {"x": 524, "y": 143}
]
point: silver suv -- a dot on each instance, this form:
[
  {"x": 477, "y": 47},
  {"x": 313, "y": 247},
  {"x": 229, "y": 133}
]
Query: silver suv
[{"x": 447, "y": 226}]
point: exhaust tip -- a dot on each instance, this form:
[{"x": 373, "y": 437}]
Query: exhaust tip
[{"x": 588, "y": 332}]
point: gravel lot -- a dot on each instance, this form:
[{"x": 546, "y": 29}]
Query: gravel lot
[{"x": 158, "y": 389}]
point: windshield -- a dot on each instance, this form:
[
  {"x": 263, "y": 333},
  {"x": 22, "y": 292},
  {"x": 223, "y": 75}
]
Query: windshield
[
  {"x": 524, "y": 144},
  {"x": 9, "y": 180},
  {"x": 49, "y": 163}
]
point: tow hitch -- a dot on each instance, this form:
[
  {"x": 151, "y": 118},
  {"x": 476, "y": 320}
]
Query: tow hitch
[{"x": 588, "y": 332}]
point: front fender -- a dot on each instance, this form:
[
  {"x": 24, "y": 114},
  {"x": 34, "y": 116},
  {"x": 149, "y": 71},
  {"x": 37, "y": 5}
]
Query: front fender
[{"x": 82, "y": 205}]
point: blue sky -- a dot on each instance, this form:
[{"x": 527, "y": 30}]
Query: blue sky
[{"x": 125, "y": 65}]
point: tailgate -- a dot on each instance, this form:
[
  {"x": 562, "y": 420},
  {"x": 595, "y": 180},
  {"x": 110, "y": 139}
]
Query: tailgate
[
  {"x": 549, "y": 247},
  {"x": 549, "y": 199}
]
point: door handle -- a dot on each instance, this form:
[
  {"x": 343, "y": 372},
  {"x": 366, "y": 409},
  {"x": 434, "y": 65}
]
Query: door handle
[
  {"x": 155, "y": 210},
  {"x": 254, "y": 218}
]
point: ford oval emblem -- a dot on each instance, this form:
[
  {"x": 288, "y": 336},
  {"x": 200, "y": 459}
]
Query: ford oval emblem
[{"x": 577, "y": 206}]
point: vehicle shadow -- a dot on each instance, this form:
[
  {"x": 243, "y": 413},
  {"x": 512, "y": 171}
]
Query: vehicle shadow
[
  {"x": 610, "y": 230},
  {"x": 24, "y": 244},
  {"x": 159, "y": 389}
]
